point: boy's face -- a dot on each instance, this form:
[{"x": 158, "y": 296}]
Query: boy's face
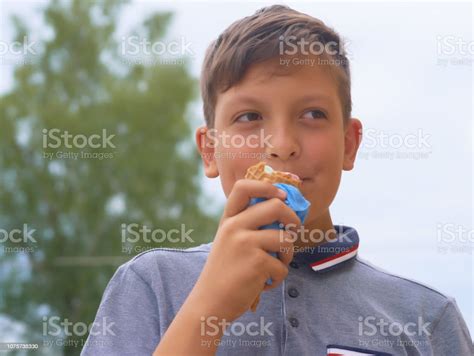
[{"x": 293, "y": 122}]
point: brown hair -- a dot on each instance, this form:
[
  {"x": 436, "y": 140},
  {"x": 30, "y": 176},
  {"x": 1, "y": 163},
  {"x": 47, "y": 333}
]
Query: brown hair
[{"x": 258, "y": 38}]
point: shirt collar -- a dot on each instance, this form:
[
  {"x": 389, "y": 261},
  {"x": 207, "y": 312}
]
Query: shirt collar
[{"x": 342, "y": 248}]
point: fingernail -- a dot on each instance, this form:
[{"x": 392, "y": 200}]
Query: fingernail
[{"x": 281, "y": 194}]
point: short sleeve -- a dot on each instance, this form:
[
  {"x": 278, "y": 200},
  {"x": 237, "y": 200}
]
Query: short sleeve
[
  {"x": 450, "y": 335},
  {"x": 127, "y": 321}
]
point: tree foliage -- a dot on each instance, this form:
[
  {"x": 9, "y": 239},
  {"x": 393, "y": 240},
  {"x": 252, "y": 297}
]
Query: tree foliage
[{"x": 78, "y": 81}]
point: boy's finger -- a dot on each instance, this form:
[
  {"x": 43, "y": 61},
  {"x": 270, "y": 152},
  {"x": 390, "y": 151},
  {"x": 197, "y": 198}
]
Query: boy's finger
[
  {"x": 246, "y": 189},
  {"x": 278, "y": 272},
  {"x": 268, "y": 212},
  {"x": 278, "y": 241}
]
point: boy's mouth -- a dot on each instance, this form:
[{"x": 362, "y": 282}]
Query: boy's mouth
[{"x": 306, "y": 180}]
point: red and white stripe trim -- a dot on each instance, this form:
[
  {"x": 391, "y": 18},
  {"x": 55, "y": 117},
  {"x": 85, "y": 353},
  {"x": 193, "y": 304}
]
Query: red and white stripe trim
[
  {"x": 341, "y": 352},
  {"x": 334, "y": 260}
]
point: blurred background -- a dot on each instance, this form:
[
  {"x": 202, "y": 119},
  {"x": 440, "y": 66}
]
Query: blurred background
[{"x": 98, "y": 104}]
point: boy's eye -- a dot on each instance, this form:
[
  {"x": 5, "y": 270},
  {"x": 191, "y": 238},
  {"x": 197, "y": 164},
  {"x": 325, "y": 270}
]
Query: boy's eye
[
  {"x": 315, "y": 114},
  {"x": 248, "y": 116}
]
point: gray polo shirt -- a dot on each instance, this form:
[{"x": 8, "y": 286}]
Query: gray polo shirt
[{"x": 331, "y": 303}]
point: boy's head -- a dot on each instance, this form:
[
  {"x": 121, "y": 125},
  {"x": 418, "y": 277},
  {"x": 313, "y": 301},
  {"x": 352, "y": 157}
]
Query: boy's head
[
  {"x": 276, "y": 87},
  {"x": 270, "y": 33}
]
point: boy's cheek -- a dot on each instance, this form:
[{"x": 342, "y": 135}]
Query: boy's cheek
[
  {"x": 238, "y": 158},
  {"x": 323, "y": 186},
  {"x": 231, "y": 168}
]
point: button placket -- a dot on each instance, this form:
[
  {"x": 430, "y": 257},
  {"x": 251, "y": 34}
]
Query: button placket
[
  {"x": 292, "y": 292},
  {"x": 294, "y": 322}
]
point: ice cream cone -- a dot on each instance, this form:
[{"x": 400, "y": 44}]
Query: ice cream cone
[{"x": 262, "y": 172}]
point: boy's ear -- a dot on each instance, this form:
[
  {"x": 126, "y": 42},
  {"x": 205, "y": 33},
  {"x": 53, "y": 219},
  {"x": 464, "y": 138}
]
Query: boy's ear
[
  {"x": 205, "y": 147},
  {"x": 352, "y": 139}
]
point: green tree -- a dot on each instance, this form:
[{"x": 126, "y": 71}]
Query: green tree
[{"x": 79, "y": 81}]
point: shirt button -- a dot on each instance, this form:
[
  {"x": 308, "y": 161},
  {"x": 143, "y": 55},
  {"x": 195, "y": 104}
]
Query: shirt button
[
  {"x": 293, "y": 264},
  {"x": 293, "y": 292},
  {"x": 294, "y": 322}
]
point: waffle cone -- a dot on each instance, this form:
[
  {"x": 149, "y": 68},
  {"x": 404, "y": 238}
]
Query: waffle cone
[{"x": 257, "y": 172}]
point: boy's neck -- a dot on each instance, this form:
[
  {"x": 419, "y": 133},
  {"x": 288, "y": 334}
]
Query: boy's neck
[{"x": 313, "y": 231}]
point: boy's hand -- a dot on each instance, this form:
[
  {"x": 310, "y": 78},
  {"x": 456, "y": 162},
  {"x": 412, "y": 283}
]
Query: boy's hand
[{"x": 239, "y": 264}]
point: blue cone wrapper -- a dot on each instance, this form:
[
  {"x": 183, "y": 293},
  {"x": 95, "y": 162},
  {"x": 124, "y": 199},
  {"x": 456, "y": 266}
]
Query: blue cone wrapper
[{"x": 295, "y": 200}]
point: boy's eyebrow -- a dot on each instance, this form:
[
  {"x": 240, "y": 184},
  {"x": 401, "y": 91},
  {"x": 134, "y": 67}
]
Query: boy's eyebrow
[
  {"x": 252, "y": 100},
  {"x": 245, "y": 99}
]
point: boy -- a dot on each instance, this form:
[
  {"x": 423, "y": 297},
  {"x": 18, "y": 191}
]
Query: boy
[{"x": 271, "y": 94}]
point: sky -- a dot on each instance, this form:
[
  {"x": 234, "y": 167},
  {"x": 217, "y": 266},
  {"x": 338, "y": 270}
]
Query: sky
[{"x": 411, "y": 67}]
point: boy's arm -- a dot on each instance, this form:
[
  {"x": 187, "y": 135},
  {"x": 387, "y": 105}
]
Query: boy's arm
[
  {"x": 187, "y": 334},
  {"x": 128, "y": 319},
  {"x": 236, "y": 269},
  {"x": 450, "y": 335}
]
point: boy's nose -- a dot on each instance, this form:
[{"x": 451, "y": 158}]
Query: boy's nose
[
  {"x": 282, "y": 156},
  {"x": 282, "y": 146}
]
